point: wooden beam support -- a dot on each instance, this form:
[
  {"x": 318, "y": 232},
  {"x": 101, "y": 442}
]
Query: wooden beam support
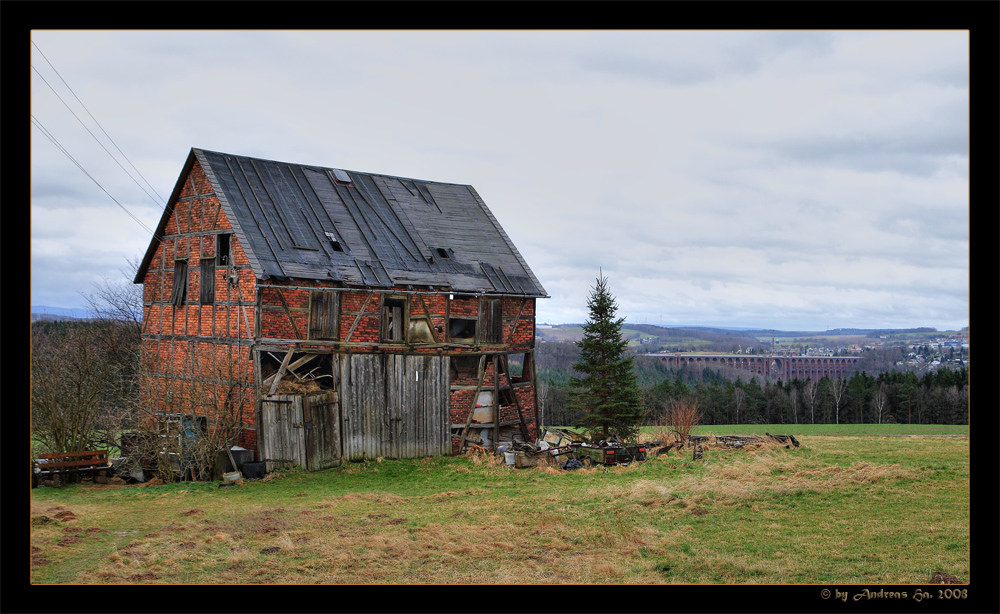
[
  {"x": 430, "y": 323},
  {"x": 517, "y": 404},
  {"x": 358, "y": 318},
  {"x": 281, "y": 371},
  {"x": 482, "y": 377},
  {"x": 513, "y": 328},
  {"x": 292, "y": 367},
  {"x": 496, "y": 399},
  {"x": 288, "y": 311}
]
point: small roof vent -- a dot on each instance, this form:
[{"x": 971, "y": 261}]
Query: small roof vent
[{"x": 341, "y": 176}]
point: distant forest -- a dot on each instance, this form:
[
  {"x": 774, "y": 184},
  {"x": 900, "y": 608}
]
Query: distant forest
[{"x": 874, "y": 393}]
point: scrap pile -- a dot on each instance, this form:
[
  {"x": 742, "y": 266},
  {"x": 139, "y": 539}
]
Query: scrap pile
[{"x": 572, "y": 450}]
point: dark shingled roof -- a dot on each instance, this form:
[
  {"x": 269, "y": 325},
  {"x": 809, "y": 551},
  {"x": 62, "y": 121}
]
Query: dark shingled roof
[{"x": 312, "y": 222}]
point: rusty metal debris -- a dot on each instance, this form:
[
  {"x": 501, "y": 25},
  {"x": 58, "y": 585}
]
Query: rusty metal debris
[
  {"x": 558, "y": 444},
  {"x": 570, "y": 450}
]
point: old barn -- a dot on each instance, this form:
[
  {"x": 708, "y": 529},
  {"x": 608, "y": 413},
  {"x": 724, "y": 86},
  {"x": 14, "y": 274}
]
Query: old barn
[{"x": 328, "y": 315}]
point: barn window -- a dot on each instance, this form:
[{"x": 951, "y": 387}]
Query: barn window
[
  {"x": 223, "y": 249},
  {"x": 323, "y": 315},
  {"x": 491, "y": 320},
  {"x": 393, "y": 319},
  {"x": 207, "y": 281},
  {"x": 462, "y": 330},
  {"x": 464, "y": 367},
  {"x": 520, "y": 367},
  {"x": 179, "y": 293}
]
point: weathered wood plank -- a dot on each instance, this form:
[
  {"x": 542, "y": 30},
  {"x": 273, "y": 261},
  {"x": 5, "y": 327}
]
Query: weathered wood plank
[{"x": 281, "y": 372}]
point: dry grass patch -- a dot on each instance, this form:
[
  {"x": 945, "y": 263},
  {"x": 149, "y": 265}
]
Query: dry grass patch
[{"x": 385, "y": 498}]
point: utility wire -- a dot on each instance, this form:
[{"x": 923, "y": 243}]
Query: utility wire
[
  {"x": 95, "y": 138},
  {"x": 157, "y": 199},
  {"x": 55, "y": 142}
]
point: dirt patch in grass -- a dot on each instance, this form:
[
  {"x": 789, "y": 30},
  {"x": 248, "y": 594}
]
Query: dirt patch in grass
[{"x": 940, "y": 577}]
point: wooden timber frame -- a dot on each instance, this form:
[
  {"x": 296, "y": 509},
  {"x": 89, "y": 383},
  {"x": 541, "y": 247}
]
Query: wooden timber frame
[
  {"x": 257, "y": 267},
  {"x": 295, "y": 352}
]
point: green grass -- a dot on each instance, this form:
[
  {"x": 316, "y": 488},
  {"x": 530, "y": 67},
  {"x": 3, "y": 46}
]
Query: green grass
[
  {"x": 833, "y": 429},
  {"x": 849, "y": 509}
]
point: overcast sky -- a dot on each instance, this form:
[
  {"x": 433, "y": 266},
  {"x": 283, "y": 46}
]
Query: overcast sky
[{"x": 770, "y": 179}]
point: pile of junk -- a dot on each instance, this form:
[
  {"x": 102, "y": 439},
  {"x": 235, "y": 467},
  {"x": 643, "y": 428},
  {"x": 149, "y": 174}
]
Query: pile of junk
[{"x": 572, "y": 450}]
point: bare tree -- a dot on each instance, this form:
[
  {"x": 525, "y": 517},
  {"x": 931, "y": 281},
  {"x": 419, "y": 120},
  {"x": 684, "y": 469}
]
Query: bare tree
[
  {"x": 119, "y": 300},
  {"x": 794, "y": 396},
  {"x": 70, "y": 381},
  {"x": 880, "y": 402},
  {"x": 683, "y": 415},
  {"x": 811, "y": 389},
  {"x": 198, "y": 415},
  {"x": 543, "y": 403},
  {"x": 116, "y": 307},
  {"x": 738, "y": 397},
  {"x": 839, "y": 388}
]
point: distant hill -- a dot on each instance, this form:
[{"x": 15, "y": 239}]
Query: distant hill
[
  {"x": 49, "y": 313},
  {"x": 650, "y": 338}
]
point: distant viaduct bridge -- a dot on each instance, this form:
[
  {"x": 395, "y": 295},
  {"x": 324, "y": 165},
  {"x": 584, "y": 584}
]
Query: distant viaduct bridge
[{"x": 785, "y": 368}]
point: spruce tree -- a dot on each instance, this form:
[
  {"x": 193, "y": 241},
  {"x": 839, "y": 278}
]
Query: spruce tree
[{"x": 607, "y": 392}]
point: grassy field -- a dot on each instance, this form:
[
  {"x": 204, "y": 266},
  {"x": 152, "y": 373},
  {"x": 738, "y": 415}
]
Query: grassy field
[
  {"x": 844, "y": 508},
  {"x": 876, "y": 430}
]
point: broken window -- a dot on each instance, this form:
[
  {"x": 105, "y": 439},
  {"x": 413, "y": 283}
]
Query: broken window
[
  {"x": 179, "y": 293},
  {"x": 207, "y": 281},
  {"x": 491, "y": 320},
  {"x": 323, "y": 315},
  {"x": 393, "y": 319},
  {"x": 520, "y": 367},
  {"x": 462, "y": 330},
  {"x": 304, "y": 372},
  {"x": 223, "y": 250},
  {"x": 464, "y": 367}
]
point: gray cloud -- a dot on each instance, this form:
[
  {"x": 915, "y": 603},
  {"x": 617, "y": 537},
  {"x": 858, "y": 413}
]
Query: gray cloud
[{"x": 779, "y": 179}]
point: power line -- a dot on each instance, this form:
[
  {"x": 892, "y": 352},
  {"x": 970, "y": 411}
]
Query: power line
[
  {"x": 55, "y": 142},
  {"x": 160, "y": 201}
]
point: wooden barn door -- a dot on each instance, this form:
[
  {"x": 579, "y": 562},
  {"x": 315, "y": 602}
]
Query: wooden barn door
[
  {"x": 301, "y": 431},
  {"x": 321, "y": 417},
  {"x": 394, "y": 406},
  {"x": 284, "y": 431}
]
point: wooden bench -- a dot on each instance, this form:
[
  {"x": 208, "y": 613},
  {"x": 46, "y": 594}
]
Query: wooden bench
[{"x": 93, "y": 462}]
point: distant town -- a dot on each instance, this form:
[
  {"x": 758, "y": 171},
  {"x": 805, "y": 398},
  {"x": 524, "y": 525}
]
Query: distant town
[{"x": 919, "y": 348}]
